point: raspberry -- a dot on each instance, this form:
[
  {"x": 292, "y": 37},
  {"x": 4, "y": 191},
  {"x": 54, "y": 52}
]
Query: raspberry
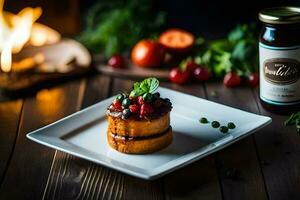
[
  {"x": 134, "y": 108},
  {"x": 141, "y": 100},
  {"x": 117, "y": 104},
  {"x": 146, "y": 109}
]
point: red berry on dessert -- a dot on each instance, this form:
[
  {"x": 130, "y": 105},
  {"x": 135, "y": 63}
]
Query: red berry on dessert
[
  {"x": 117, "y": 104},
  {"x": 141, "y": 100},
  {"x": 146, "y": 110},
  {"x": 134, "y": 108}
]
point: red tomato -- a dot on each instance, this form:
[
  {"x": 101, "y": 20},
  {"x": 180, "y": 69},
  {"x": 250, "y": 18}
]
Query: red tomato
[
  {"x": 231, "y": 79},
  {"x": 253, "y": 79},
  {"x": 178, "y": 76},
  {"x": 201, "y": 74},
  {"x": 116, "y": 61},
  {"x": 148, "y": 53},
  {"x": 177, "y": 40}
]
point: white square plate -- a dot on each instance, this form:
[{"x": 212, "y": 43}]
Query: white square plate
[{"x": 83, "y": 134}]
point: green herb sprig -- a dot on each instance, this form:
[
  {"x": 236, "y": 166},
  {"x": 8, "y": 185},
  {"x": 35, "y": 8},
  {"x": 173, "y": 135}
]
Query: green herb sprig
[
  {"x": 148, "y": 85},
  {"x": 294, "y": 119},
  {"x": 238, "y": 52},
  {"x": 113, "y": 27}
]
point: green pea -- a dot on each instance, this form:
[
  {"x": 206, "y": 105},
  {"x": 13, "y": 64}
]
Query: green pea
[
  {"x": 148, "y": 97},
  {"x": 203, "y": 120},
  {"x": 223, "y": 129},
  {"x": 215, "y": 124},
  {"x": 126, "y": 113},
  {"x": 120, "y": 97},
  {"x": 231, "y": 125},
  {"x": 126, "y": 103}
]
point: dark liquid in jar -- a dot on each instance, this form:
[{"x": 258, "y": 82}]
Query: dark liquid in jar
[{"x": 281, "y": 35}]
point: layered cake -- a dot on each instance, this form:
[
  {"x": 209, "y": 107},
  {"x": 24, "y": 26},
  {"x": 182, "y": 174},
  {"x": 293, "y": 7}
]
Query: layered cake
[{"x": 139, "y": 122}]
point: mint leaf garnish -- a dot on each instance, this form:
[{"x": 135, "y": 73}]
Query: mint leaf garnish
[
  {"x": 136, "y": 85},
  {"x": 148, "y": 85},
  {"x": 154, "y": 83},
  {"x": 144, "y": 86},
  {"x": 136, "y": 93}
]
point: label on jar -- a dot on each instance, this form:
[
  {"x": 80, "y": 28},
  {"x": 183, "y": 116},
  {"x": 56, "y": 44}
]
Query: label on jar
[{"x": 279, "y": 74}]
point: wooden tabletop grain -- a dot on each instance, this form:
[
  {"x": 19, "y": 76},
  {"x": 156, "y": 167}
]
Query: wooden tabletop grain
[{"x": 265, "y": 165}]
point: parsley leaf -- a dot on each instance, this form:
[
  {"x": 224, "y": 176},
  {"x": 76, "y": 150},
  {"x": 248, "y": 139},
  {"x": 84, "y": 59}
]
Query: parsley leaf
[
  {"x": 294, "y": 119},
  {"x": 113, "y": 27},
  {"x": 238, "y": 52}
]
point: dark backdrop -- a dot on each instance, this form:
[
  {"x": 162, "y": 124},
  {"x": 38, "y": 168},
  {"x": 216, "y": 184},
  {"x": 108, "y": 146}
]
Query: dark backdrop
[
  {"x": 214, "y": 18},
  {"x": 211, "y": 18}
]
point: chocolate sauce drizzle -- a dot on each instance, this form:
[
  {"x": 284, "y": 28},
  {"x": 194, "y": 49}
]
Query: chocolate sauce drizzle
[{"x": 140, "y": 137}]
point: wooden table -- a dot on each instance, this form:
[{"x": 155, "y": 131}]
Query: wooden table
[{"x": 263, "y": 166}]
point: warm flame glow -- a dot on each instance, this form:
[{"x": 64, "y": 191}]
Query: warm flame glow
[
  {"x": 18, "y": 30},
  {"x": 41, "y": 35},
  {"x": 6, "y": 59},
  {"x": 28, "y": 63},
  {"x": 50, "y": 103},
  {"x": 22, "y": 28}
]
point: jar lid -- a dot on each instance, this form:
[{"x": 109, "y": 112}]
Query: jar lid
[{"x": 280, "y": 15}]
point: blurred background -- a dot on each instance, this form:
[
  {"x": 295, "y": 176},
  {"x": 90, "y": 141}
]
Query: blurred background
[{"x": 209, "y": 18}]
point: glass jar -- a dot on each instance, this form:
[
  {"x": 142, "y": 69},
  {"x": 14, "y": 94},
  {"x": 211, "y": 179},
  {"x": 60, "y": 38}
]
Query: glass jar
[{"x": 279, "y": 59}]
